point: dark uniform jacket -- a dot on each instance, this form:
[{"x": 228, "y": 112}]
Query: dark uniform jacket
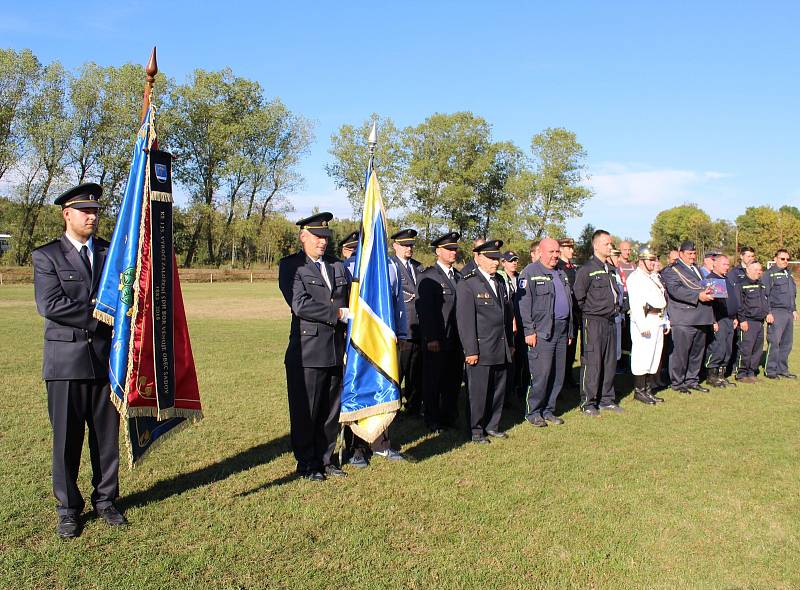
[
  {"x": 436, "y": 306},
  {"x": 76, "y": 345},
  {"x": 410, "y": 296},
  {"x": 684, "y": 286},
  {"x": 753, "y": 298},
  {"x": 485, "y": 320},
  {"x": 725, "y": 307},
  {"x": 316, "y": 337},
  {"x": 537, "y": 297},
  {"x": 781, "y": 289},
  {"x": 469, "y": 267},
  {"x": 596, "y": 289}
]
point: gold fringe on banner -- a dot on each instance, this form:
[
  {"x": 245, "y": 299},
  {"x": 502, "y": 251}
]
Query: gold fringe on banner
[
  {"x": 104, "y": 317},
  {"x": 160, "y": 196}
]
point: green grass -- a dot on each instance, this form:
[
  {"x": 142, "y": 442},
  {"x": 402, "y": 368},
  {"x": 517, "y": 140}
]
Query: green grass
[{"x": 700, "y": 492}]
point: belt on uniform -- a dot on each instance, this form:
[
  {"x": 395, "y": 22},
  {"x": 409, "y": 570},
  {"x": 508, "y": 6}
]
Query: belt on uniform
[{"x": 599, "y": 318}]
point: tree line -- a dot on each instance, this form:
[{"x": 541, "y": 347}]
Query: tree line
[{"x": 237, "y": 154}]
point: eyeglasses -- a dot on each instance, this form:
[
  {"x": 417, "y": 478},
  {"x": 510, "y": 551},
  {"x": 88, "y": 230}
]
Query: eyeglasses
[{"x": 783, "y": 258}]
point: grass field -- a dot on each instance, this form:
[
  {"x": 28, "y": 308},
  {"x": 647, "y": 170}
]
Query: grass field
[{"x": 699, "y": 492}]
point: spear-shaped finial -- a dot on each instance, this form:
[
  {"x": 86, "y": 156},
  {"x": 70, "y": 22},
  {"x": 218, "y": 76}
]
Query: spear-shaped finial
[
  {"x": 373, "y": 138},
  {"x": 151, "y": 70}
]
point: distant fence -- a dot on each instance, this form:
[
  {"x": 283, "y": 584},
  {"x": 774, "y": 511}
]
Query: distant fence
[{"x": 14, "y": 275}]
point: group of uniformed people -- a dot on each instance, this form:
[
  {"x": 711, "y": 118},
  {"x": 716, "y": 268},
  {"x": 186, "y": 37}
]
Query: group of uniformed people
[{"x": 501, "y": 333}]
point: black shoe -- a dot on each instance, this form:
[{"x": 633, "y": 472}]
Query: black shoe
[
  {"x": 358, "y": 460},
  {"x": 314, "y": 475},
  {"x": 591, "y": 411},
  {"x": 435, "y": 428},
  {"x": 682, "y": 389},
  {"x": 480, "y": 440},
  {"x": 69, "y": 526},
  {"x": 788, "y": 375},
  {"x": 611, "y": 408},
  {"x": 537, "y": 421},
  {"x": 496, "y": 434},
  {"x": 111, "y": 515},
  {"x": 554, "y": 419},
  {"x": 656, "y": 399},
  {"x": 771, "y": 376},
  {"x": 640, "y": 395},
  {"x": 334, "y": 471},
  {"x": 699, "y": 387}
]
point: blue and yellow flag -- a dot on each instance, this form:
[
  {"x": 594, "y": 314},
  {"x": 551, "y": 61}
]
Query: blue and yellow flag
[{"x": 371, "y": 391}]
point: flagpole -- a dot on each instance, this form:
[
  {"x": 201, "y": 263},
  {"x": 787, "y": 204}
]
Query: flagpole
[
  {"x": 151, "y": 70},
  {"x": 373, "y": 142}
]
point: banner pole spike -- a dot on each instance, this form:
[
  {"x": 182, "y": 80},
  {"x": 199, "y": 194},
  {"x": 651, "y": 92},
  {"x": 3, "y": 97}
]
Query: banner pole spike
[{"x": 150, "y": 70}]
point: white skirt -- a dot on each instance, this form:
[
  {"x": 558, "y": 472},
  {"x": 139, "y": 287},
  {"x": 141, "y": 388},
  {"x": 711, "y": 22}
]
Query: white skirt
[{"x": 646, "y": 351}]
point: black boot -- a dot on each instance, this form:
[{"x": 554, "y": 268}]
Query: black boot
[
  {"x": 651, "y": 383},
  {"x": 724, "y": 379},
  {"x": 640, "y": 390},
  {"x": 713, "y": 378}
]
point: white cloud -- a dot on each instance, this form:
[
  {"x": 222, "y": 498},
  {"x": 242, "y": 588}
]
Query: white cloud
[
  {"x": 625, "y": 184},
  {"x": 628, "y": 195}
]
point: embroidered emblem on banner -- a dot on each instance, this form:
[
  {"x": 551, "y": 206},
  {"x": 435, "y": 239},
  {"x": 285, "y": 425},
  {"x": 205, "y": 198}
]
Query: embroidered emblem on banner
[{"x": 161, "y": 172}]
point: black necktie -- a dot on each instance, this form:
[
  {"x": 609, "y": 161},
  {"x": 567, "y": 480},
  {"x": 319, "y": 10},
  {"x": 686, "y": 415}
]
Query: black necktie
[
  {"x": 85, "y": 258},
  {"x": 410, "y": 272},
  {"x": 450, "y": 275}
]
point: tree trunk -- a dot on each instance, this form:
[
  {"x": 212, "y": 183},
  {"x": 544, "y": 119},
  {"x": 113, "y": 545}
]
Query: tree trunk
[{"x": 192, "y": 249}]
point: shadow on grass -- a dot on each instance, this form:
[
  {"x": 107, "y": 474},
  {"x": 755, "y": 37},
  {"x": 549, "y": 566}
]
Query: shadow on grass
[
  {"x": 419, "y": 444},
  {"x": 289, "y": 477},
  {"x": 252, "y": 457}
]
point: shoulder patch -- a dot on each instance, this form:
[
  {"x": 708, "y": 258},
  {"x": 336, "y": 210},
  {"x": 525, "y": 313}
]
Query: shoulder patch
[{"x": 523, "y": 283}]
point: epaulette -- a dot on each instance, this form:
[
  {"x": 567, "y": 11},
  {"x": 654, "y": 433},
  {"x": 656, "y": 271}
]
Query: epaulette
[
  {"x": 330, "y": 259},
  {"x": 469, "y": 275},
  {"x": 50, "y": 243},
  {"x": 288, "y": 256}
]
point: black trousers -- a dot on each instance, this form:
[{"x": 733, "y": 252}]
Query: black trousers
[
  {"x": 410, "y": 360},
  {"x": 314, "y": 396},
  {"x": 599, "y": 361},
  {"x": 547, "y": 360},
  {"x": 779, "y": 337},
  {"x": 487, "y": 390},
  {"x": 751, "y": 346},
  {"x": 572, "y": 348},
  {"x": 72, "y": 405},
  {"x": 718, "y": 352},
  {"x": 627, "y": 344},
  {"x": 688, "y": 347},
  {"x": 442, "y": 373},
  {"x": 520, "y": 377}
]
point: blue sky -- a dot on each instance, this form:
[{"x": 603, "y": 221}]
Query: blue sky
[{"x": 674, "y": 102}]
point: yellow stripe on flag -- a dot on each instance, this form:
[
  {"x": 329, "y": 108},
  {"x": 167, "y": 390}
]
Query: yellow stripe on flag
[{"x": 375, "y": 340}]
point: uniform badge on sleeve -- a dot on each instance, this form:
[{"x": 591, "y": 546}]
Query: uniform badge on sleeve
[{"x": 522, "y": 283}]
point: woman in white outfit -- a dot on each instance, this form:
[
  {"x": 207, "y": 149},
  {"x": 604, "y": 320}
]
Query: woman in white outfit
[{"x": 649, "y": 323}]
